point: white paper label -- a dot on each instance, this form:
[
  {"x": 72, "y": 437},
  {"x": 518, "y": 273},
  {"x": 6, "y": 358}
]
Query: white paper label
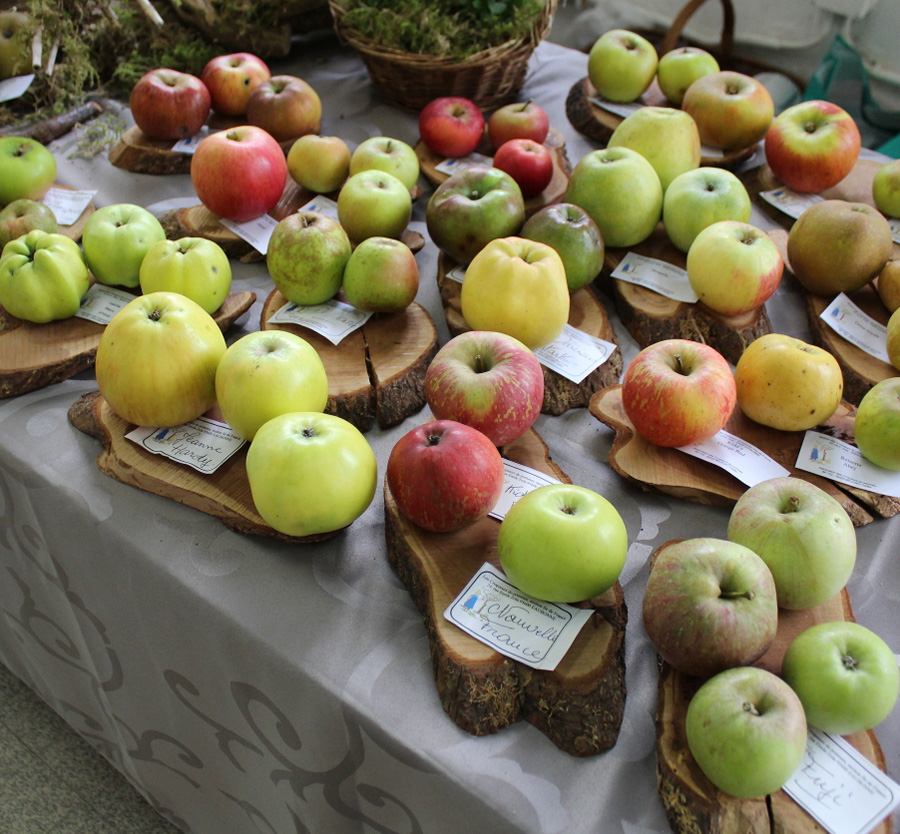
[
  {"x": 101, "y": 303},
  {"x": 332, "y": 319},
  {"x": 204, "y": 444},
  {"x": 746, "y": 462},
  {"x": 453, "y": 166},
  {"x": 838, "y": 461},
  {"x": 657, "y": 275},
  {"x": 623, "y": 109},
  {"x": 256, "y": 231},
  {"x": 322, "y": 204},
  {"x": 526, "y": 629},
  {"x": 67, "y": 206},
  {"x": 15, "y": 87},
  {"x": 840, "y": 788},
  {"x": 858, "y": 328},
  {"x": 894, "y": 223},
  {"x": 189, "y": 144},
  {"x": 457, "y": 274},
  {"x": 518, "y": 480},
  {"x": 575, "y": 354},
  {"x": 792, "y": 203}
]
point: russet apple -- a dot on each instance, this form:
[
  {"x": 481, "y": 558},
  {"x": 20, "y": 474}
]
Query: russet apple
[
  {"x": 893, "y": 340},
  {"x": 286, "y": 107},
  {"x": 887, "y": 284},
  {"x": 621, "y": 65}
]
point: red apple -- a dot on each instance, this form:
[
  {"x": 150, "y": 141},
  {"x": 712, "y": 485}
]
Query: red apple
[
  {"x": 527, "y": 162},
  {"x": 812, "y": 145},
  {"x": 168, "y": 104},
  {"x": 286, "y": 107},
  {"x": 240, "y": 173},
  {"x": 522, "y": 120},
  {"x": 678, "y": 391},
  {"x": 230, "y": 80},
  {"x": 451, "y": 126},
  {"x": 444, "y": 475},
  {"x": 487, "y": 380}
]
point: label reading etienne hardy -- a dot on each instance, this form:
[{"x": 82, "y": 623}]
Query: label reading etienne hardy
[
  {"x": 204, "y": 444},
  {"x": 526, "y": 629},
  {"x": 838, "y": 461},
  {"x": 745, "y": 461},
  {"x": 67, "y": 205}
]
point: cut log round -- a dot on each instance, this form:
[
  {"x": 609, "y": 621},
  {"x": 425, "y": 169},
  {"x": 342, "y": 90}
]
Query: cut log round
[{"x": 138, "y": 153}]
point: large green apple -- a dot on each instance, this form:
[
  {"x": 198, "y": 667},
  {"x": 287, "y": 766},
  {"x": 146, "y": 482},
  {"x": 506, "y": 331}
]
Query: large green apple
[
  {"x": 115, "y": 240},
  {"x": 43, "y": 277},
  {"x": 374, "y": 203},
  {"x": 621, "y": 64},
  {"x": 886, "y": 188},
  {"x": 27, "y": 169},
  {"x": 877, "y": 423},
  {"x": 21, "y": 216},
  {"x": 194, "y": 266},
  {"x": 681, "y": 67},
  {"x": 385, "y": 153},
  {"x": 310, "y": 473},
  {"x": 381, "y": 276},
  {"x": 562, "y": 543}
]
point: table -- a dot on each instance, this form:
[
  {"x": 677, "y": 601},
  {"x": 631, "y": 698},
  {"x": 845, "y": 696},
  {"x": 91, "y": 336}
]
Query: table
[{"x": 245, "y": 684}]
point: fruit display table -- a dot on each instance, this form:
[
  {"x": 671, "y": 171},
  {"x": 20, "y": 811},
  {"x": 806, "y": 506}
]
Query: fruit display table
[{"x": 245, "y": 683}]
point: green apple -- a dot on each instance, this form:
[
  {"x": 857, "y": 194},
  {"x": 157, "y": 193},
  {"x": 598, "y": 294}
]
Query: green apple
[
  {"x": 747, "y": 731},
  {"x": 384, "y": 153},
  {"x": 621, "y": 65},
  {"x": 888, "y": 285},
  {"x": 886, "y": 188},
  {"x": 310, "y": 473},
  {"x": 877, "y": 422},
  {"x": 21, "y": 216},
  {"x": 306, "y": 256},
  {"x": 381, "y": 276},
  {"x": 194, "y": 266},
  {"x": 267, "y": 373},
  {"x": 157, "y": 358},
  {"x": 621, "y": 191},
  {"x": 320, "y": 164},
  {"x": 562, "y": 543},
  {"x": 374, "y": 203},
  {"x": 665, "y": 136},
  {"x": 681, "y": 67},
  {"x": 572, "y": 232},
  {"x": 115, "y": 240},
  {"x": 43, "y": 277},
  {"x": 845, "y": 675},
  {"x": 27, "y": 169},
  {"x": 15, "y": 44},
  {"x": 802, "y": 533},
  {"x": 696, "y": 199}
]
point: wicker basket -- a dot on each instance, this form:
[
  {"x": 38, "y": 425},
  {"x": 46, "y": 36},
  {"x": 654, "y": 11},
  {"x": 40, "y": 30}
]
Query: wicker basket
[{"x": 489, "y": 78}]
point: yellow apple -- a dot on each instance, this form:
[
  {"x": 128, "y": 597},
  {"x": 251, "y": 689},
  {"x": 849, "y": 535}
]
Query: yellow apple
[
  {"x": 786, "y": 383},
  {"x": 893, "y": 339},
  {"x": 319, "y": 163},
  {"x": 888, "y": 285}
]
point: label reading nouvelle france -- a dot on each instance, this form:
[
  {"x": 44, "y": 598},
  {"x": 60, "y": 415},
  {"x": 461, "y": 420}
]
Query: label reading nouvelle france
[
  {"x": 574, "y": 354},
  {"x": 660, "y": 276},
  {"x": 836, "y": 460},
  {"x": 792, "y": 203},
  {"x": 454, "y": 165},
  {"x": 746, "y": 462},
  {"x": 856, "y": 326},
  {"x": 518, "y": 480},
  {"x": 519, "y": 626},
  {"x": 332, "y": 319},
  {"x": 204, "y": 444},
  {"x": 101, "y": 303},
  {"x": 67, "y": 206},
  {"x": 256, "y": 231}
]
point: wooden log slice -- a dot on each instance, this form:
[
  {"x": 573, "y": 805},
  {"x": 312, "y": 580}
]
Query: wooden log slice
[
  {"x": 587, "y": 313},
  {"x": 579, "y": 705},
  {"x": 36, "y": 355},
  {"x": 138, "y": 153},
  {"x": 377, "y": 373},
  {"x": 692, "y": 803}
]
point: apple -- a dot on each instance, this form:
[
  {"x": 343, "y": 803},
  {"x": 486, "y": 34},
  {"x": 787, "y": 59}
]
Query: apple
[
  {"x": 386, "y": 154},
  {"x": 381, "y": 276},
  {"x": 116, "y": 238},
  {"x": 747, "y": 731},
  {"x": 167, "y": 104},
  {"x": 27, "y": 169},
  {"x": 374, "y": 203},
  {"x": 23, "y": 215},
  {"x": 286, "y": 107},
  {"x": 734, "y": 267},
  {"x": 529, "y": 163},
  {"x": 320, "y": 164},
  {"x": 886, "y": 188},
  {"x": 487, "y": 380},
  {"x": 838, "y": 246},
  {"x": 621, "y": 191},
  {"x": 266, "y": 373},
  {"x": 709, "y": 605},
  {"x": 43, "y": 277},
  {"x": 306, "y": 256},
  {"x": 518, "y": 287},
  {"x": 812, "y": 145},
  {"x": 877, "y": 424},
  {"x": 194, "y": 266},
  {"x": 562, "y": 543},
  {"x": 665, "y": 136},
  {"x": 677, "y": 392},
  {"x": 451, "y": 126},
  {"x": 621, "y": 65},
  {"x": 157, "y": 358},
  {"x": 231, "y": 78},
  {"x": 698, "y": 198},
  {"x": 518, "y": 120},
  {"x": 888, "y": 284},
  {"x": 787, "y": 384},
  {"x": 15, "y": 45},
  {"x": 239, "y": 173},
  {"x": 732, "y": 110},
  {"x": 572, "y": 232},
  {"x": 444, "y": 475},
  {"x": 893, "y": 340},
  {"x": 310, "y": 473},
  {"x": 471, "y": 208},
  {"x": 679, "y": 68},
  {"x": 802, "y": 533}
]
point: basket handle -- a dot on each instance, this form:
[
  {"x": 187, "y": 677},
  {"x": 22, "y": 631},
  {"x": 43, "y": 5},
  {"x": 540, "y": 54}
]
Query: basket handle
[{"x": 727, "y": 40}]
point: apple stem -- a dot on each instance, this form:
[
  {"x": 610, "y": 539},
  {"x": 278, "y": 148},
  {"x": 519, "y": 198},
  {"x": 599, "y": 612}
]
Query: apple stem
[
  {"x": 434, "y": 439},
  {"x": 680, "y": 368},
  {"x": 524, "y": 107},
  {"x": 793, "y": 504},
  {"x": 747, "y": 706}
]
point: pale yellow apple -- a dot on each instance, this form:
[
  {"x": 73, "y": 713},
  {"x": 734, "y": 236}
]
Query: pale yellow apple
[
  {"x": 893, "y": 339},
  {"x": 888, "y": 285},
  {"x": 786, "y": 383},
  {"x": 319, "y": 163}
]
